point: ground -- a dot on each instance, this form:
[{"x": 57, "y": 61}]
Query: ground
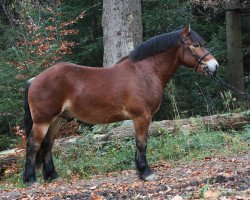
[{"x": 217, "y": 177}]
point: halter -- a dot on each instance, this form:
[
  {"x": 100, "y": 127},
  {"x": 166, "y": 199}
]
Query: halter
[
  {"x": 198, "y": 59},
  {"x": 223, "y": 83}
]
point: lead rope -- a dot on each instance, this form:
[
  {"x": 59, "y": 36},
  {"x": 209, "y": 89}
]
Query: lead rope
[
  {"x": 231, "y": 88},
  {"x": 204, "y": 97}
]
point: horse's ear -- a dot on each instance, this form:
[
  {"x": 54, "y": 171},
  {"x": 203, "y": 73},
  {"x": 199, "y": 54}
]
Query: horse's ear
[{"x": 186, "y": 31}]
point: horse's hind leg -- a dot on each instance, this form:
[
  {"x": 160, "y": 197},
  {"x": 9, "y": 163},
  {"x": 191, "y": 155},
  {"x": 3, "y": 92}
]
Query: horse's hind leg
[
  {"x": 49, "y": 172},
  {"x": 32, "y": 147},
  {"x": 141, "y": 124}
]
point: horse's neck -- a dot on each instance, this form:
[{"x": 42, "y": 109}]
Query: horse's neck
[{"x": 164, "y": 65}]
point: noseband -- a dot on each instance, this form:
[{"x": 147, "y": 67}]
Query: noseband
[{"x": 198, "y": 59}]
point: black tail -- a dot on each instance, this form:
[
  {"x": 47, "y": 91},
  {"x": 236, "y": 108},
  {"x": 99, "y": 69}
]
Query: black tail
[{"x": 28, "y": 122}]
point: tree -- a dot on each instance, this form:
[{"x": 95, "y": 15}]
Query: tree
[
  {"x": 122, "y": 28},
  {"x": 234, "y": 45}
]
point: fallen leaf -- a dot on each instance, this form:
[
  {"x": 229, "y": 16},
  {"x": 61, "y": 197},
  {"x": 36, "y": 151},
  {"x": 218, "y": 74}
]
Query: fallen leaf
[
  {"x": 207, "y": 158},
  {"x": 224, "y": 198},
  {"x": 196, "y": 173},
  {"x": 168, "y": 189},
  {"x": 212, "y": 194},
  {"x": 177, "y": 197},
  {"x": 96, "y": 197},
  {"x": 93, "y": 187}
]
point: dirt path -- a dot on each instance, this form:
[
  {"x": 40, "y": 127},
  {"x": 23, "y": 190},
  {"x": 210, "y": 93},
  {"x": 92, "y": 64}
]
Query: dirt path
[{"x": 218, "y": 178}]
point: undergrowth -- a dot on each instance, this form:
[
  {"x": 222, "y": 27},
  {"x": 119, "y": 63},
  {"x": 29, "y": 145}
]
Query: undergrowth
[{"x": 85, "y": 158}]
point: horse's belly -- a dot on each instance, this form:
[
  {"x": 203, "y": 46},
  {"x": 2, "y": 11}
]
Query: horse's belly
[
  {"x": 103, "y": 120},
  {"x": 102, "y": 116}
]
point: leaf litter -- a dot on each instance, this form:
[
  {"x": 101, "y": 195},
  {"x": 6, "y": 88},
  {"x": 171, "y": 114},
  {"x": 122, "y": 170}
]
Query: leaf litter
[{"x": 223, "y": 178}]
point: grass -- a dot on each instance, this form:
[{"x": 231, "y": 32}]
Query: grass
[
  {"x": 85, "y": 158},
  {"x": 8, "y": 141}
]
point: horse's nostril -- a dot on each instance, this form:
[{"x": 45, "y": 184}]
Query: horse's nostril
[{"x": 217, "y": 67}]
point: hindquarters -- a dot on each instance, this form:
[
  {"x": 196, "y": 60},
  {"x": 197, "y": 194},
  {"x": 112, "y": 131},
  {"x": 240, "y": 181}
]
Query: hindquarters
[
  {"x": 48, "y": 93},
  {"x": 43, "y": 103}
]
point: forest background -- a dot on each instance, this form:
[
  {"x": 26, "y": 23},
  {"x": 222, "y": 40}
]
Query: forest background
[{"x": 35, "y": 34}]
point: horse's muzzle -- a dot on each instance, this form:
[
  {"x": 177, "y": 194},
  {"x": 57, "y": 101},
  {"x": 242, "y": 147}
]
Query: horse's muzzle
[{"x": 211, "y": 67}]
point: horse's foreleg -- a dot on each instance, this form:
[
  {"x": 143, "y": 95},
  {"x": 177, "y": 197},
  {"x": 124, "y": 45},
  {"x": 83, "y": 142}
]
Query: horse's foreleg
[
  {"x": 49, "y": 172},
  {"x": 141, "y": 124},
  {"x": 32, "y": 147}
]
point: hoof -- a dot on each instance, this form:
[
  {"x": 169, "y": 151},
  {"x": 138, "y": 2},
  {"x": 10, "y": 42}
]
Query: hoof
[
  {"x": 29, "y": 180},
  {"x": 151, "y": 177},
  {"x": 147, "y": 175},
  {"x": 33, "y": 184},
  {"x": 52, "y": 177}
]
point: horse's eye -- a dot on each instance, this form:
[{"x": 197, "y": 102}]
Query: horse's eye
[{"x": 197, "y": 45}]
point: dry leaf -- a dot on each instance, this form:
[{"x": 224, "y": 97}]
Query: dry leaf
[
  {"x": 93, "y": 187},
  {"x": 212, "y": 194},
  {"x": 208, "y": 158},
  {"x": 168, "y": 190},
  {"x": 96, "y": 197},
  {"x": 177, "y": 197}
]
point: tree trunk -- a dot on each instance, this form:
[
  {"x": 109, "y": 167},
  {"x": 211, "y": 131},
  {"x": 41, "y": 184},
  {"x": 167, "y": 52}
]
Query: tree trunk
[
  {"x": 245, "y": 21},
  {"x": 192, "y": 125},
  {"x": 234, "y": 46},
  {"x": 122, "y": 28}
]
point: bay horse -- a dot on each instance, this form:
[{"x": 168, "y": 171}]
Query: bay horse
[{"x": 129, "y": 89}]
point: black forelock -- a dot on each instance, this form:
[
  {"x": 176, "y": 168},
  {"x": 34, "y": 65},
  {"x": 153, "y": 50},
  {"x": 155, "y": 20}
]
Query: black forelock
[
  {"x": 196, "y": 38},
  {"x": 161, "y": 43}
]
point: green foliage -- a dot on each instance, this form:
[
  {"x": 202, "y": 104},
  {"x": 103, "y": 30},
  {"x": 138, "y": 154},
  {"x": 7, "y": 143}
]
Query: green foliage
[
  {"x": 89, "y": 50},
  {"x": 10, "y": 96},
  {"x": 86, "y": 158},
  {"x": 97, "y": 159},
  {"x": 7, "y": 34},
  {"x": 7, "y": 141},
  {"x": 164, "y": 16},
  {"x": 10, "y": 105}
]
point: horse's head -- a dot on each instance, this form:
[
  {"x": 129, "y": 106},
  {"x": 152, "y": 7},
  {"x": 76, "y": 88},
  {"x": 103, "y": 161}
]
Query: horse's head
[{"x": 194, "y": 55}]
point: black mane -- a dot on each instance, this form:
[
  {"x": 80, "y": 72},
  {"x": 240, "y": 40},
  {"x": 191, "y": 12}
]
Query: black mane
[{"x": 161, "y": 43}]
